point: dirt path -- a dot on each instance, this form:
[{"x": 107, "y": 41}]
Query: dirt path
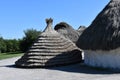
[{"x": 71, "y": 72}]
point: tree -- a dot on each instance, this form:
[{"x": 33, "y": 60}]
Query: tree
[
  {"x": 12, "y": 45},
  {"x": 2, "y": 45},
  {"x": 30, "y": 36}
]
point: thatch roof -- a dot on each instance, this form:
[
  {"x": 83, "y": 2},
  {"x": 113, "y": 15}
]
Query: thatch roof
[
  {"x": 104, "y": 32},
  {"x": 67, "y": 31},
  {"x": 50, "y": 49},
  {"x": 81, "y": 29}
]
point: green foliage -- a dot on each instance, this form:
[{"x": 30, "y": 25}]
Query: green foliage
[
  {"x": 9, "y": 45},
  {"x": 2, "y": 45},
  {"x": 14, "y": 45},
  {"x": 30, "y": 36}
]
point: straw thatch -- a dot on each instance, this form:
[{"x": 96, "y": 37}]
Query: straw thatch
[
  {"x": 67, "y": 31},
  {"x": 50, "y": 49},
  {"x": 104, "y": 32},
  {"x": 81, "y": 30}
]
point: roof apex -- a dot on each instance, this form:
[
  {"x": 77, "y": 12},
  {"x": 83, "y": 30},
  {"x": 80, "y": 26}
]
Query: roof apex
[{"x": 49, "y": 22}]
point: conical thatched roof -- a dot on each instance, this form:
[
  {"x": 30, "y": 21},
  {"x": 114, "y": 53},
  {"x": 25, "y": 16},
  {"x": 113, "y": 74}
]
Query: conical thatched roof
[
  {"x": 67, "y": 31},
  {"x": 104, "y": 32},
  {"x": 50, "y": 49}
]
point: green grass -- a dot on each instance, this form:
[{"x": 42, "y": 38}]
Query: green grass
[{"x": 9, "y": 55}]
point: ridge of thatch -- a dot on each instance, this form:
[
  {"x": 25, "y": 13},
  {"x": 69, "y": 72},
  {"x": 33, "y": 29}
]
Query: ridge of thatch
[
  {"x": 115, "y": 0},
  {"x": 67, "y": 31},
  {"x": 104, "y": 32},
  {"x": 50, "y": 49},
  {"x": 81, "y": 29}
]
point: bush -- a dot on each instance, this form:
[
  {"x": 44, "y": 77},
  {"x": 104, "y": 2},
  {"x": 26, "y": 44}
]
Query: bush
[{"x": 30, "y": 36}]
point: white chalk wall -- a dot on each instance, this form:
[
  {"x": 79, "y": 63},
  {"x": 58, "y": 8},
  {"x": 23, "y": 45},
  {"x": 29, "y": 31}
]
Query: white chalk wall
[
  {"x": 105, "y": 59},
  {"x": 82, "y": 55}
]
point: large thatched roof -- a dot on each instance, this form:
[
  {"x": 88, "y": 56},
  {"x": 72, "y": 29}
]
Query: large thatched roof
[
  {"x": 50, "y": 49},
  {"x": 67, "y": 31},
  {"x": 104, "y": 32}
]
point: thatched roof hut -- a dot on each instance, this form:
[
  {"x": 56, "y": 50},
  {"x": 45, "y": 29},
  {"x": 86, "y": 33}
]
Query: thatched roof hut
[
  {"x": 67, "y": 31},
  {"x": 50, "y": 49},
  {"x": 101, "y": 40}
]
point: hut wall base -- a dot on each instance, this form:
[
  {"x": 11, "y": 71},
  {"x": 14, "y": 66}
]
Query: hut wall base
[{"x": 105, "y": 59}]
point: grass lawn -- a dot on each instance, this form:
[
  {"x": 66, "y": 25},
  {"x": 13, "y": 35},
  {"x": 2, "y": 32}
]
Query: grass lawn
[{"x": 10, "y": 55}]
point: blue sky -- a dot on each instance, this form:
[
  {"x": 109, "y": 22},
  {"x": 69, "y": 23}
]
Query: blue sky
[{"x": 19, "y": 15}]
